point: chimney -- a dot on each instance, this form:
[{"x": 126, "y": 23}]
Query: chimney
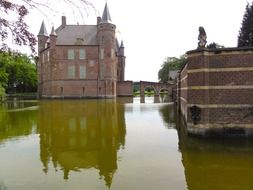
[
  {"x": 63, "y": 21},
  {"x": 98, "y": 20}
]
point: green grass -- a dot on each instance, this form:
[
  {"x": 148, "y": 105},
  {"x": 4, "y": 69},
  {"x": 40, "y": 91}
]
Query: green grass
[
  {"x": 27, "y": 94},
  {"x": 148, "y": 93}
]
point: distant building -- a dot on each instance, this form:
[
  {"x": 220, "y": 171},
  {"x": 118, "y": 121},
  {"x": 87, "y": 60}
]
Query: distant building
[
  {"x": 78, "y": 61},
  {"x": 173, "y": 74}
]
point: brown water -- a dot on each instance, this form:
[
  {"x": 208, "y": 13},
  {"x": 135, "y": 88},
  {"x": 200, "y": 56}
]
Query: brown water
[{"x": 113, "y": 144}]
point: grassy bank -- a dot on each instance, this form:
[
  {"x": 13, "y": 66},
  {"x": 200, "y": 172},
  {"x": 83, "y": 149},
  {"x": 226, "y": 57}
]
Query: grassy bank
[{"x": 22, "y": 95}]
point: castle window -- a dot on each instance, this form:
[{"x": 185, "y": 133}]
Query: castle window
[
  {"x": 71, "y": 71},
  {"x": 82, "y": 70},
  {"x": 71, "y": 54},
  {"x": 82, "y": 54},
  {"x": 102, "y": 53}
]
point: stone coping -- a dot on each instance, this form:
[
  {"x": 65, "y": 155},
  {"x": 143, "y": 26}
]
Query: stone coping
[{"x": 219, "y": 50}]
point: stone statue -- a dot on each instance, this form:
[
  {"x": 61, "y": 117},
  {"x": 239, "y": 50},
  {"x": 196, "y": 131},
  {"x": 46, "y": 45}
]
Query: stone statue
[{"x": 202, "y": 37}]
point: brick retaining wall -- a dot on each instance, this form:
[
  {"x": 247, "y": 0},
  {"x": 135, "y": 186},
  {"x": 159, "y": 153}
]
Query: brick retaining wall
[
  {"x": 125, "y": 88},
  {"x": 220, "y": 83}
]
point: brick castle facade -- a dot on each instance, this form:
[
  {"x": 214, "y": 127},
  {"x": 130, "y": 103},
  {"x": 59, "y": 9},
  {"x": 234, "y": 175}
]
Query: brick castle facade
[{"x": 79, "y": 61}]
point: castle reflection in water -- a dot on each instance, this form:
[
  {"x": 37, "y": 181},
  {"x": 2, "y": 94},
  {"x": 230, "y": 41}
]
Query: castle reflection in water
[
  {"x": 81, "y": 135},
  {"x": 78, "y": 135}
]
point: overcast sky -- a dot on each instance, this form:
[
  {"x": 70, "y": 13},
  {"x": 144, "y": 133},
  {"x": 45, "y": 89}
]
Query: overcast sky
[{"x": 153, "y": 30}]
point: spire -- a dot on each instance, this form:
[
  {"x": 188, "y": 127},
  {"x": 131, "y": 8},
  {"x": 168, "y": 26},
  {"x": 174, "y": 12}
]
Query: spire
[
  {"x": 43, "y": 30},
  {"x": 106, "y": 17},
  {"x": 121, "y": 49},
  {"x": 53, "y": 33},
  {"x": 122, "y": 44}
]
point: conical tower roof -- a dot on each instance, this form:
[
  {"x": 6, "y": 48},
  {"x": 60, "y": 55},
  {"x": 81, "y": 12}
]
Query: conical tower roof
[
  {"x": 43, "y": 30},
  {"x": 53, "y": 33},
  {"x": 122, "y": 44},
  {"x": 106, "y": 17}
]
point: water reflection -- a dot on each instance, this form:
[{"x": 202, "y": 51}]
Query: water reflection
[
  {"x": 17, "y": 119},
  {"x": 150, "y": 99},
  {"x": 84, "y": 137},
  {"x": 79, "y": 135},
  {"x": 216, "y": 163},
  {"x": 167, "y": 113}
]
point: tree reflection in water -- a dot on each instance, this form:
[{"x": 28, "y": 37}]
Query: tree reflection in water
[
  {"x": 79, "y": 135},
  {"x": 17, "y": 118},
  {"x": 167, "y": 113}
]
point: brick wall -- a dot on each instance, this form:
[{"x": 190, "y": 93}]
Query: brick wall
[
  {"x": 182, "y": 92},
  {"x": 220, "y": 83},
  {"x": 125, "y": 88},
  {"x": 54, "y": 81}
]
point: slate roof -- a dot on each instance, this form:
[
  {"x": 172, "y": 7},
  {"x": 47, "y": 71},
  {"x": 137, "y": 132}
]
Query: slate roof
[
  {"x": 106, "y": 17},
  {"x": 77, "y": 35},
  {"x": 43, "y": 30}
]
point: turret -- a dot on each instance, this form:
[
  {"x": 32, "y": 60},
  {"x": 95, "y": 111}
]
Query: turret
[
  {"x": 108, "y": 59},
  {"x": 42, "y": 37},
  {"x": 122, "y": 49},
  {"x": 53, "y": 38},
  {"x": 121, "y": 63}
]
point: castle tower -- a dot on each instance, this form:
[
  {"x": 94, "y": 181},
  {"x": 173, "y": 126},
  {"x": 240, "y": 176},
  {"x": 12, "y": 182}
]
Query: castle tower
[
  {"x": 42, "y": 44},
  {"x": 53, "y": 38},
  {"x": 121, "y": 63},
  {"x": 107, "y": 55},
  {"x": 42, "y": 37},
  {"x": 52, "y": 64}
]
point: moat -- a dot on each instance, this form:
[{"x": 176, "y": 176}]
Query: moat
[{"x": 113, "y": 144}]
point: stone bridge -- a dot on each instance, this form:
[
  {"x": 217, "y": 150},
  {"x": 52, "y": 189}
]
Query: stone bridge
[{"x": 158, "y": 87}]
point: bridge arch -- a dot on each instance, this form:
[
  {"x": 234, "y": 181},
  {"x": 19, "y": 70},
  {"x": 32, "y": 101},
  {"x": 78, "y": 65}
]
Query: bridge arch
[
  {"x": 158, "y": 87},
  {"x": 150, "y": 87}
]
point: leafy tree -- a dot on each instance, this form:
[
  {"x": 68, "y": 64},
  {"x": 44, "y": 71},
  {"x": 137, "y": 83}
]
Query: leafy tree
[
  {"x": 2, "y": 92},
  {"x": 13, "y": 24},
  {"x": 170, "y": 64},
  {"x": 17, "y": 28},
  {"x": 17, "y": 72},
  {"x": 214, "y": 45},
  {"x": 245, "y": 37}
]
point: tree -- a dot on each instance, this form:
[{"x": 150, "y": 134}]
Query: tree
[
  {"x": 245, "y": 37},
  {"x": 214, "y": 45},
  {"x": 17, "y": 72},
  {"x": 17, "y": 28},
  {"x": 2, "y": 93},
  {"x": 12, "y": 19},
  {"x": 170, "y": 64}
]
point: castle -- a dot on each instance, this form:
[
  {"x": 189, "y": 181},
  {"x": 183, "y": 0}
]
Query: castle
[{"x": 79, "y": 61}]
